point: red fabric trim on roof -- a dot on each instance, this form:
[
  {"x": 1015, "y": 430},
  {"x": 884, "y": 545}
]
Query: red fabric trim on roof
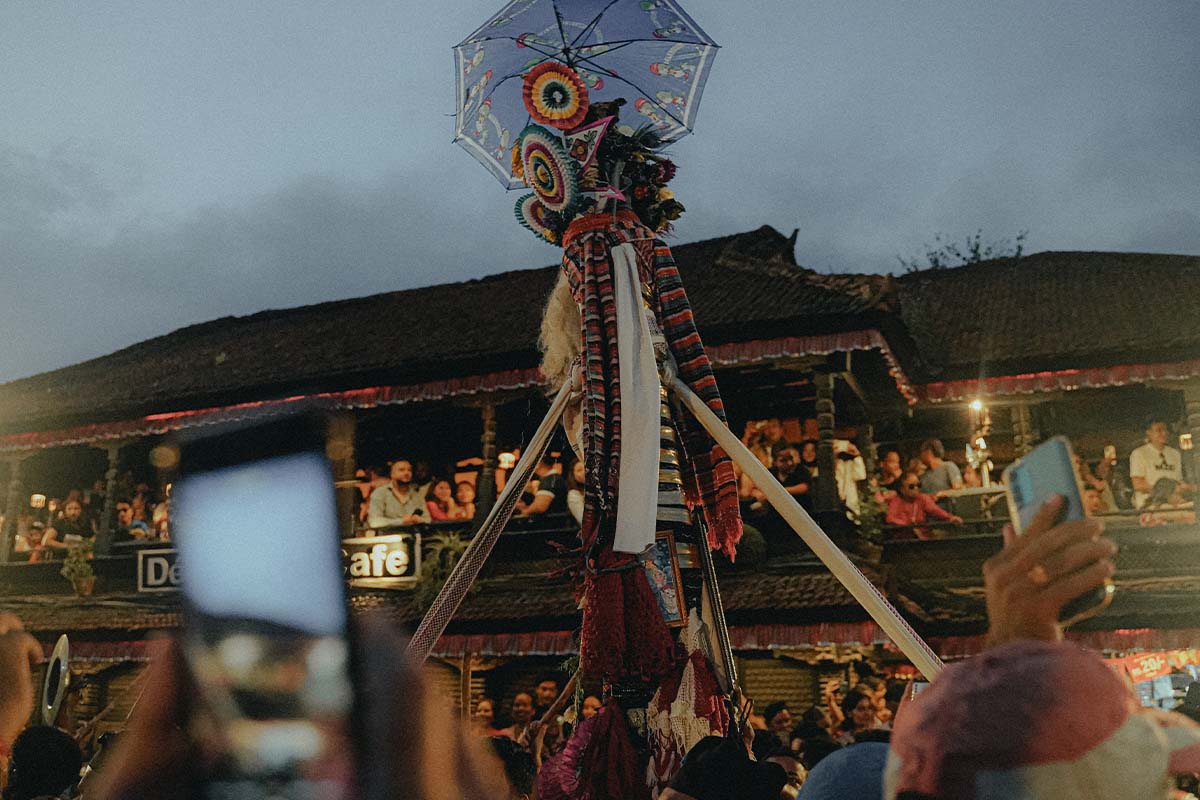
[
  {"x": 156, "y": 424},
  {"x": 1060, "y": 380},
  {"x": 739, "y": 353}
]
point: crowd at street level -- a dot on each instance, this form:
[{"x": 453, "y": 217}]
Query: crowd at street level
[{"x": 1030, "y": 717}]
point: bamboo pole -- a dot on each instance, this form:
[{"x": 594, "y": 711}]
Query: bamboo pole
[
  {"x": 884, "y": 614},
  {"x": 433, "y": 625}
]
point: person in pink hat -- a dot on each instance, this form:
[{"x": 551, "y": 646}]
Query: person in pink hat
[{"x": 1034, "y": 717}]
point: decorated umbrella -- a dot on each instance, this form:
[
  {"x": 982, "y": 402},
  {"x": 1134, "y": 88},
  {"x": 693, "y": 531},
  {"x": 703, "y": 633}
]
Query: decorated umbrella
[{"x": 648, "y": 52}]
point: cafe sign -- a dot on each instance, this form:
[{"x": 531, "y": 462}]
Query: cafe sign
[
  {"x": 374, "y": 562},
  {"x": 381, "y": 562},
  {"x": 157, "y": 570}
]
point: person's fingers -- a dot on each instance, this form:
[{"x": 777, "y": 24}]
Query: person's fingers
[
  {"x": 1046, "y": 516},
  {"x": 1078, "y": 555},
  {"x": 33, "y": 649},
  {"x": 1071, "y": 586},
  {"x": 1009, "y": 533},
  {"x": 1052, "y": 541},
  {"x": 10, "y": 622}
]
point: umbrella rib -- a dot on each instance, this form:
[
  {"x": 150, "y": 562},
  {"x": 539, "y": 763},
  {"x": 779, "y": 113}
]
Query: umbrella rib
[
  {"x": 650, "y": 41},
  {"x": 591, "y": 25},
  {"x": 558, "y": 19},
  {"x": 644, "y": 93}
]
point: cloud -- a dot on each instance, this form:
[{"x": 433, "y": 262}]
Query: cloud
[{"x": 79, "y": 289}]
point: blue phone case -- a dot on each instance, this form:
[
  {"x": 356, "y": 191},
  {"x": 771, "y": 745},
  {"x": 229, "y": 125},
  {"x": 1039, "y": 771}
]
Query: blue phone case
[{"x": 1046, "y": 471}]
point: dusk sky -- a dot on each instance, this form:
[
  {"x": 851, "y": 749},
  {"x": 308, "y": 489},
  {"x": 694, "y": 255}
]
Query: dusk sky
[{"x": 164, "y": 163}]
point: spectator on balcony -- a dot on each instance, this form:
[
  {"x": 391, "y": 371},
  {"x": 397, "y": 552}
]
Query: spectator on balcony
[
  {"x": 793, "y": 476},
  {"x": 398, "y": 503},
  {"x": 911, "y": 507},
  {"x": 28, "y": 545},
  {"x": 422, "y": 478},
  {"x": 575, "y": 490},
  {"x": 940, "y": 475},
  {"x": 441, "y": 505},
  {"x": 143, "y": 508},
  {"x": 808, "y": 457},
  {"x": 129, "y": 529},
  {"x": 764, "y": 438},
  {"x": 849, "y": 470},
  {"x": 521, "y": 715},
  {"x": 71, "y": 530},
  {"x": 1154, "y": 461},
  {"x": 890, "y": 471},
  {"x": 464, "y": 494},
  {"x": 550, "y": 497}
]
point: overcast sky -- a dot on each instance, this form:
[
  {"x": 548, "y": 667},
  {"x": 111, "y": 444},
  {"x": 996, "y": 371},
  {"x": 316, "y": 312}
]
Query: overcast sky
[{"x": 166, "y": 162}]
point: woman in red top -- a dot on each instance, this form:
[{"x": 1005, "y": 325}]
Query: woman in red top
[
  {"x": 442, "y": 505},
  {"x": 909, "y": 507}
]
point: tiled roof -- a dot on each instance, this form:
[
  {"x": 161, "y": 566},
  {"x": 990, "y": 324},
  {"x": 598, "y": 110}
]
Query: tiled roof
[
  {"x": 742, "y": 286},
  {"x": 1053, "y": 310}
]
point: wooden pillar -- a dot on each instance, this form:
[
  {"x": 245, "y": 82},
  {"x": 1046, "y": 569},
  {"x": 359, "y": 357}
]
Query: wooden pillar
[
  {"x": 12, "y": 508},
  {"x": 827, "y": 494},
  {"x": 465, "y": 674},
  {"x": 1025, "y": 436},
  {"x": 339, "y": 446},
  {"x": 1191, "y": 404},
  {"x": 104, "y": 535},
  {"x": 485, "y": 486},
  {"x": 866, "y": 446}
]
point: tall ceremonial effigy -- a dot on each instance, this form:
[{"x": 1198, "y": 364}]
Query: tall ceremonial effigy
[{"x": 576, "y": 100}]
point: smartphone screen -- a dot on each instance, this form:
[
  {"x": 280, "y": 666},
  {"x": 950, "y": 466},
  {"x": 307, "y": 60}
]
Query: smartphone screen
[
  {"x": 266, "y": 630},
  {"x": 1049, "y": 470}
]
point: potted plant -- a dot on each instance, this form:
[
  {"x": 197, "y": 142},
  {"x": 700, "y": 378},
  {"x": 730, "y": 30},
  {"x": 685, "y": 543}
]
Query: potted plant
[{"x": 78, "y": 569}]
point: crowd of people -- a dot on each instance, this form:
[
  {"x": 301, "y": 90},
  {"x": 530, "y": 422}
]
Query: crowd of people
[
  {"x": 408, "y": 492},
  {"x": 1031, "y": 717},
  {"x": 910, "y": 495},
  {"x": 49, "y": 527}
]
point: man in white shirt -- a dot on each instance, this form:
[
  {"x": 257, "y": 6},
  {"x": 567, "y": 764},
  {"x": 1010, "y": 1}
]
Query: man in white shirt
[
  {"x": 1154, "y": 461},
  {"x": 398, "y": 503}
]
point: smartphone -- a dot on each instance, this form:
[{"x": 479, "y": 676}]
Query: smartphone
[
  {"x": 1048, "y": 470},
  {"x": 266, "y": 635}
]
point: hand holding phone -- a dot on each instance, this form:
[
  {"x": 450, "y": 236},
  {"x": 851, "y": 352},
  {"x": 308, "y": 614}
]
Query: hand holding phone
[{"x": 1055, "y": 567}]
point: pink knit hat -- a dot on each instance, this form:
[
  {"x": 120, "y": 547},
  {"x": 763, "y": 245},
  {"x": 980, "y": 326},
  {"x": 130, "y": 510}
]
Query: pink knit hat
[{"x": 1037, "y": 721}]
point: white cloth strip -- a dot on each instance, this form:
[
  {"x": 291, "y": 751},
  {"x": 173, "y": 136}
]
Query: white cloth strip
[{"x": 637, "y": 487}]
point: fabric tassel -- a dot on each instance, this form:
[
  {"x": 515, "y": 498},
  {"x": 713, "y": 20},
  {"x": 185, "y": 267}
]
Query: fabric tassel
[
  {"x": 602, "y": 651},
  {"x": 624, "y": 635},
  {"x": 611, "y": 768},
  {"x": 651, "y": 652}
]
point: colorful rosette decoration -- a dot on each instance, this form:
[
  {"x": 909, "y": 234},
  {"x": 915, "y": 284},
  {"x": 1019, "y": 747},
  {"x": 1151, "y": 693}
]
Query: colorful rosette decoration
[
  {"x": 555, "y": 95},
  {"x": 534, "y": 215},
  {"x": 549, "y": 170}
]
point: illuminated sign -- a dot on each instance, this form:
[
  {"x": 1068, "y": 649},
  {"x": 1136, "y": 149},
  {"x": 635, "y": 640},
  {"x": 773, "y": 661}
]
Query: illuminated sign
[
  {"x": 382, "y": 561},
  {"x": 157, "y": 570},
  {"x": 375, "y": 562}
]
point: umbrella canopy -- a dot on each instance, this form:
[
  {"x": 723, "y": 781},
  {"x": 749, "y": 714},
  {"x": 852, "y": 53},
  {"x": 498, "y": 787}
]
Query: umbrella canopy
[{"x": 648, "y": 52}]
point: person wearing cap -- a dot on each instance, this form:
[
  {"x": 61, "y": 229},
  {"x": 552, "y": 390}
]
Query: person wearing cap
[{"x": 1034, "y": 717}]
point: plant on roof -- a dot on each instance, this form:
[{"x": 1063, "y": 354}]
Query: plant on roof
[{"x": 944, "y": 253}]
